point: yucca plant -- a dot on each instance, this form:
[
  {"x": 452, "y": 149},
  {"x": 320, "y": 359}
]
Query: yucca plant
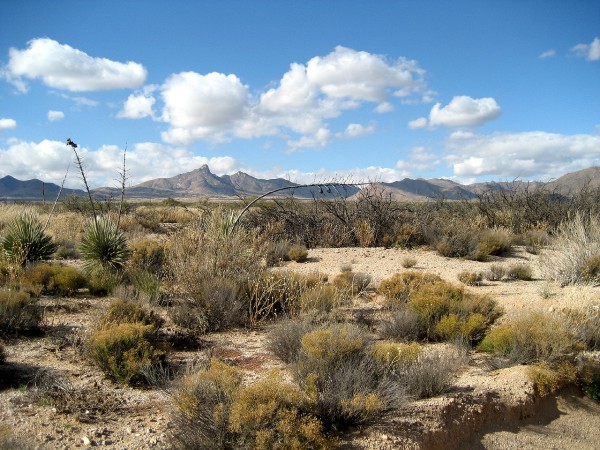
[
  {"x": 26, "y": 240},
  {"x": 103, "y": 246}
]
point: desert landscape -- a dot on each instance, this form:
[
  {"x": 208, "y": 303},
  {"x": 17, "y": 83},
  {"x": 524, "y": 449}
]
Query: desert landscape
[{"x": 355, "y": 323}]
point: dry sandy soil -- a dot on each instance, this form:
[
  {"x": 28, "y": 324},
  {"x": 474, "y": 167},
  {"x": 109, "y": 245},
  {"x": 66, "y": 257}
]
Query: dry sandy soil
[{"x": 483, "y": 409}]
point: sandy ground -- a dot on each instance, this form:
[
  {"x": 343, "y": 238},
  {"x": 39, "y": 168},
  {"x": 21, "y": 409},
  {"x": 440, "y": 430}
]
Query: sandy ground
[{"x": 483, "y": 409}]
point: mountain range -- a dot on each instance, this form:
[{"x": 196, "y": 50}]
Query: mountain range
[{"x": 202, "y": 183}]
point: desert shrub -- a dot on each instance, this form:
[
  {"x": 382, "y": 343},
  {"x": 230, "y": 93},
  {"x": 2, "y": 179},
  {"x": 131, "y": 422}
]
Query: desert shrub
[
  {"x": 275, "y": 251},
  {"x": 124, "y": 311},
  {"x": 433, "y": 370},
  {"x": 393, "y": 355},
  {"x": 54, "y": 279},
  {"x": 214, "y": 410},
  {"x": 402, "y": 324},
  {"x": 399, "y": 287},
  {"x": 25, "y": 240},
  {"x": 534, "y": 337},
  {"x": 123, "y": 350},
  {"x": 535, "y": 240},
  {"x": 67, "y": 250},
  {"x": 103, "y": 246},
  {"x": 298, "y": 253},
  {"x": 222, "y": 304},
  {"x": 345, "y": 382},
  {"x": 351, "y": 282},
  {"x": 584, "y": 324},
  {"x": 547, "y": 379},
  {"x": 146, "y": 286},
  {"x": 364, "y": 232},
  {"x": 470, "y": 278},
  {"x": 577, "y": 241},
  {"x": 496, "y": 242},
  {"x": 454, "y": 241},
  {"x": 408, "y": 262},
  {"x": 520, "y": 272},
  {"x": 18, "y": 312},
  {"x": 590, "y": 269},
  {"x": 273, "y": 414},
  {"x": 496, "y": 272},
  {"x": 104, "y": 281},
  {"x": 469, "y": 329},
  {"x": 284, "y": 339},
  {"x": 434, "y": 301},
  {"x": 149, "y": 255},
  {"x": 322, "y": 298},
  {"x": 591, "y": 388}
]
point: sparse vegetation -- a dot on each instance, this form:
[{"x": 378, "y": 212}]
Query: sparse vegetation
[
  {"x": 103, "y": 246},
  {"x": 19, "y": 312}
]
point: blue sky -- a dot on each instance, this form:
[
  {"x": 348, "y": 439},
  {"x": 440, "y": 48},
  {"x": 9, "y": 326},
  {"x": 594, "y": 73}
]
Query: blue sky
[{"x": 306, "y": 90}]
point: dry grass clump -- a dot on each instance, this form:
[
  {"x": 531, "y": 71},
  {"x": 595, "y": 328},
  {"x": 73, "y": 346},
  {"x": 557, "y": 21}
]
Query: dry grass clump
[
  {"x": 214, "y": 410},
  {"x": 584, "y": 324},
  {"x": 322, "y": 299},
  {"x": 8, "y": 440},
  {"x": 353, "y": 283},
  {"x": 149, "y": 255},
  {"x": 401, "y": 324},
  {"x": 284, "y": 339},
  {"x": 573, "y": 256},
  {"x": 470, "y": 278},
  {"x": 298, "y": 253},
  {"x": 496, "y": 272},
  {"x": 19, "y": 313},
  {"x": 521, "y": 272},
  {"x": 408, "y": 262}
]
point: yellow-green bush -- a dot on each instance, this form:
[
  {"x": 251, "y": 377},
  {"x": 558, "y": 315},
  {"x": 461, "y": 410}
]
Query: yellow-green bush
[
  {"x": 393, "y": 354},
  {"x": 398, "y": 287},
  {"x": 453, "y": 327},
  {"x": 55, "y": 279},
  {"x": 125, "y": 311},
  {"x": 354, "y": 283},
  {"x": 214, "y": 410},
  {"x": 125, "y": 350},
  {"x": 148, "y": 254},
  {"x": 497, "y": 242},
  {"x": 530, "y": 338},
  {"x": 470, "y": 278},
  {"x": 547, "y": 379},
  {"x": 321, "y": 298},
  {"x": 520, "y": 272}
]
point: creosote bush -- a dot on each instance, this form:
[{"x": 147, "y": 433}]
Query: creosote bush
[{"x": 26, "y": 240}]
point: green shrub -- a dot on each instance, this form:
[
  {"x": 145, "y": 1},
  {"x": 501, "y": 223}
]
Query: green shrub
[
  {"x": 148, "y": 255},
  {"x": 55, "y": 279},
  {"x": 123, "y": 351},
  {"x": 470, "y": 278},
  {"x": 26, "y": 241},
  {"x": 103, "y": 246},
  {"x": 592, "y": 388},
  {"x": 520, "y": 272},
  {"x": 398, "y": 288},
  {"x": 104, "y": 281},
  {"x": 393, "y": 355},
  {"x": 547, "y": 379},
  {"x": 298, "y": 253},
  {"x": 469, "y": 329},
  {"x": 18, "y": 312},
  {"x": 534, "y": 337},
  {"x": 146, "y": 286}
]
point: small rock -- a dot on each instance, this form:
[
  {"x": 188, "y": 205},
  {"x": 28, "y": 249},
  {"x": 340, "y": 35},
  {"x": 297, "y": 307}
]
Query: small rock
[{"x": 86, "y": 440}]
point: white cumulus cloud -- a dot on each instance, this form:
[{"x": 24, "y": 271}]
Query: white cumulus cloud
[
  {"x": 531, "y": 154},
  {"x": 7, "y": 124},
  {"x": 591, "y": 52},
  {"x": 218, "y": 107},
  {"x": 421, "y": 122},
  {"x": 54, "y": 116},
  {"x": 464, "y": 111},
  {"x": 547, "y": 54},
  {"x": 139, "y": 104},
  {"x": 64, "y": 67}
]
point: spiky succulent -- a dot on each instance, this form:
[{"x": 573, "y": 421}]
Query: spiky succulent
[
  {"x": 103, "y": 245},
  {"x": 26, "y": 241}
]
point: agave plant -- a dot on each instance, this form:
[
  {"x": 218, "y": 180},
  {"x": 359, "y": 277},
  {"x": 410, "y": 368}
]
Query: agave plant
[
  {"x": 103, "y": 245},
  {"x": 26, "y": 240}
]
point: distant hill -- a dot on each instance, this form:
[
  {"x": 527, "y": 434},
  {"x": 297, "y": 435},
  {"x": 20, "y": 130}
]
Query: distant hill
[
  {"x": 31, "y": 190},
  {"x": 202, "y": 183}
]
